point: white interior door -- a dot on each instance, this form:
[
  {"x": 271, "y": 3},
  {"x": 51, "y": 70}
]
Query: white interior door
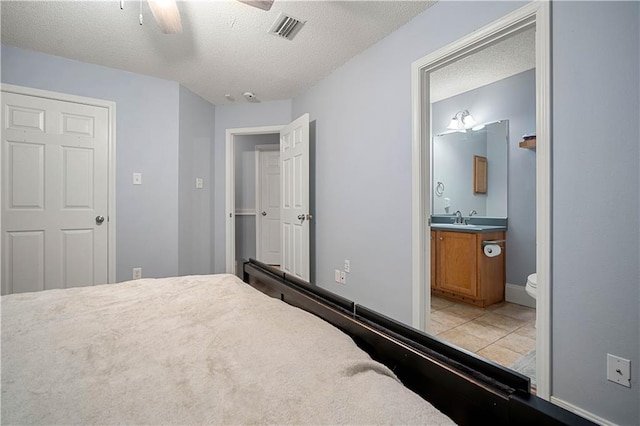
[
  {"x": 55, "y": 194},
  {"x": 268, "y": 207},
  {"x": 295, "y": 215}
]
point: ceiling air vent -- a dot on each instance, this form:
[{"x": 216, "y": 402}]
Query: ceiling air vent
[{"x": 286, "y": 26}]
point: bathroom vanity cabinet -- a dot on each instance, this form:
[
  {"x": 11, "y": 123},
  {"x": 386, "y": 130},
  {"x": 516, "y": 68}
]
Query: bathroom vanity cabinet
[{"x": 461, "y": 271}]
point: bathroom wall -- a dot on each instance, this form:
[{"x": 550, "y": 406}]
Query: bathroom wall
[{"x": 514, "y": 99}]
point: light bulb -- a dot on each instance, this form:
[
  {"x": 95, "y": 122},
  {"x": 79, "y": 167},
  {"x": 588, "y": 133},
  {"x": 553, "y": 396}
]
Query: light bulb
[{"x": 468, "y": 120}]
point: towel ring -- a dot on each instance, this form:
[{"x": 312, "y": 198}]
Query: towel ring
[{"x": 439, "y": 189}]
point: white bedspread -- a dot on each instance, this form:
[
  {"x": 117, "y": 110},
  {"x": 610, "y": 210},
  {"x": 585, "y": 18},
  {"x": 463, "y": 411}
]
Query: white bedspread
[{"x": 189, "y": 350}]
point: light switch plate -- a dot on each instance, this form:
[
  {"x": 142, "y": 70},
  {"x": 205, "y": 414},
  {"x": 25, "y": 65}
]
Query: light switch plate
[
  {"x": 199, "y": 183},
  {"x": 619, "y": 370},
  {"x": 137, "y": 178},
  {"x": 336, "y": 275},
  {"x": 347, "y": 265}
]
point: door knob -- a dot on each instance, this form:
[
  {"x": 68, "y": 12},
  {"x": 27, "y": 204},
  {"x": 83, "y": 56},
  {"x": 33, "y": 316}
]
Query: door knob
[
  {"x": 264, "y": 213},
  {"x": 99, "y": 220}
]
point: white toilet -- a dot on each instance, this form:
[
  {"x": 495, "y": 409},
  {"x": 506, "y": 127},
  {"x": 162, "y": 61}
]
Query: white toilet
[{"x": 532, "y": 284}]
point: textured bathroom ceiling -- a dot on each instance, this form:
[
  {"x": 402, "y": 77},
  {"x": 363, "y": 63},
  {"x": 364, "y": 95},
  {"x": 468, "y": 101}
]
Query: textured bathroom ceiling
[
  {"x": 224, "y": 47},
  {"x": 496, "y": 62}
]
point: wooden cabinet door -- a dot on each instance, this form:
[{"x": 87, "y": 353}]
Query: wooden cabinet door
[
  {"x": 434, "y": 266},
  {"x": 457, "y": 270}
]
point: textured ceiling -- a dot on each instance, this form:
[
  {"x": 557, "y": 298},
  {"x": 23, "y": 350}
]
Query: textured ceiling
[
  {"x": 496, "y": 62},
  {"x": 224, "y": 47}
]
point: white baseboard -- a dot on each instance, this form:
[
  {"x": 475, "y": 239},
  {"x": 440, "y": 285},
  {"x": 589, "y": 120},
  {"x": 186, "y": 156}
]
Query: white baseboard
[
  {"x": 516, "y": 294},
  {"x": 579, "y": 411}
]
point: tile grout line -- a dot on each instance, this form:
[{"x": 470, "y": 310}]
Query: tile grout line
[{"x": 524, "y": 323}]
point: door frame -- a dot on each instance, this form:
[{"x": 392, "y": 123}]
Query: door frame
[
  {"x": 111, "y": 159},
  {"x": 536, "y": 13},
  {"x": 230, "y": 199},
  {"x": 260, "y": 149}
]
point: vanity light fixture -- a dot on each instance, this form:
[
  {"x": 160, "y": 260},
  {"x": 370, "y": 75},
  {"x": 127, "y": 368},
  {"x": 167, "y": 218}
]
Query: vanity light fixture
[{"x": 461, "y": 121}]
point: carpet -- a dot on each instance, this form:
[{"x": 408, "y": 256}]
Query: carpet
[{"x": 527, "y": 366}]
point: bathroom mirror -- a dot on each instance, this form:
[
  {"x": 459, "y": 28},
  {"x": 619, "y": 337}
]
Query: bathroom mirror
[{"x": 455, "y": 171}]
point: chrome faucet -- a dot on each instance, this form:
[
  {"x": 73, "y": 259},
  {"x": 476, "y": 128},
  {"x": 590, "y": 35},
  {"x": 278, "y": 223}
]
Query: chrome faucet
[
  {"x": 458, "y": 217},
  {"x": 472, "y": 212}
]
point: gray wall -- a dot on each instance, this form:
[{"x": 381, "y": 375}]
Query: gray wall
[
  {"x": 596, "y": 278},
  {"x": 233, "y": 117},
  {"x": 163, "y": 131},
  {"x": 363, "y": 157},
  {"x": 194, "y": 211},
  {"x": 146, "y": 142},
  {"x": 363, "y": 131},
  {"x": 514, "y": 99}
]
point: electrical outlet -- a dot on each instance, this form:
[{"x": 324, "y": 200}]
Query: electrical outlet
[
  {"x": 137, "y": 178},
  {"x": 199, "y": 183},
  {"x": 619, "y": 370},
  {"x": 347, "y": 266},
  {"x": 137, "y": 273},
  {"x": 343, "y": 277},
  {"x": 336, "y": 275}
]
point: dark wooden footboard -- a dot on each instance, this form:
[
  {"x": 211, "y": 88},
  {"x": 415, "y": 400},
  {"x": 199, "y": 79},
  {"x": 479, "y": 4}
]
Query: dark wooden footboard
[{"x": 467, "y": 388}]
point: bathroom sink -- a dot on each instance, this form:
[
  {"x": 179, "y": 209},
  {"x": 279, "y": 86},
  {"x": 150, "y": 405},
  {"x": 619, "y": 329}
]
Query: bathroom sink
[
  {"x": 465, "y": 227},
  {"x": 460, "y": 226}
]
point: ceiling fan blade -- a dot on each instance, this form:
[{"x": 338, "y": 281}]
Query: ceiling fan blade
[
  {"x": 261, "y": 4},
  {"x": 167, "y": 15}
]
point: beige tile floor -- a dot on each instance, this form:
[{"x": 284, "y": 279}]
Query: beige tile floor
[{"x": 502, "y": 333}]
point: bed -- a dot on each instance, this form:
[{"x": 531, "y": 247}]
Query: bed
[
  {"x": 189, "y": 350},
  {"x": 213, "y": 350}
]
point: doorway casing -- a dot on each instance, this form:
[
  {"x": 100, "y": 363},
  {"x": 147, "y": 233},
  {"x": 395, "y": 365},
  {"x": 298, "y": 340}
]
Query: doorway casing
[{"x": 533, "y": 15}]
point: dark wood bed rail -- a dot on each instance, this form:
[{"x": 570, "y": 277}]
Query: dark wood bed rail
[{"x": 467, "y": 388}]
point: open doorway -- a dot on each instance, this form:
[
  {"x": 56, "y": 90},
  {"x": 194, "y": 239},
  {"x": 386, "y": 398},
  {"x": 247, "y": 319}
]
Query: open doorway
[
  {"x": 257, "y": 198},
  {"x": 534, "y": 18},
  {"x": 246, "y": 192},
  {"x": 295, "y": 216}
]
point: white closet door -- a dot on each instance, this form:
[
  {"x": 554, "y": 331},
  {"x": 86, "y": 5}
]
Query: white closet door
[
  {"x": 55, "y": 194},
  {"x": 268, "y": 247}
]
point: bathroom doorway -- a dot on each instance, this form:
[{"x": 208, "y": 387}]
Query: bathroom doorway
[{"x": 530, "y": 21}]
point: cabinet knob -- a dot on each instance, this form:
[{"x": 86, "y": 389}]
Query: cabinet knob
[{"x": 441, "y": 238}]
